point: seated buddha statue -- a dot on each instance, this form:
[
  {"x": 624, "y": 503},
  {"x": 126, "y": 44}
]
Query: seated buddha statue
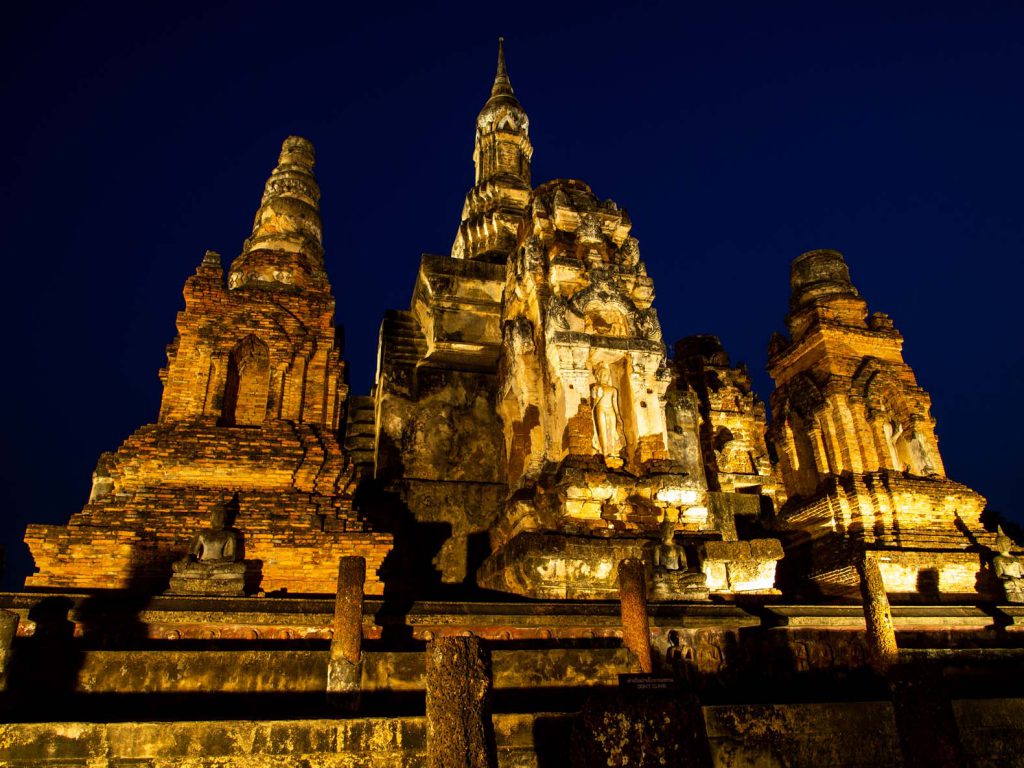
[{"x": 213, "y": 565}]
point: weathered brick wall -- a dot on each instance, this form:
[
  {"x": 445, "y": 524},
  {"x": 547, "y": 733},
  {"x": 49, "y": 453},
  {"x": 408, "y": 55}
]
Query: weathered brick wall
[
  {"x": 733, "y": 420},
  {"x": 305, "y": 372},
  {"x": 294, "y": 512},
  {"x": 291, "y": 543}
]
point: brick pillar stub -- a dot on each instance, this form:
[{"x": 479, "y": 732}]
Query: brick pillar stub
[
  {"x": 633, "y": 605},
  {"x": 459, "y": 729}
]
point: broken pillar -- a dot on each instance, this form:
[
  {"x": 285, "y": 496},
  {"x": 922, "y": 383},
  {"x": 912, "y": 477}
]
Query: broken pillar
[
  {"x": 459, "y": 729},
  {"x": 344, "y": 668},
  {"x": 633, "y": 605},
  {"x": 877, "y": 614}
]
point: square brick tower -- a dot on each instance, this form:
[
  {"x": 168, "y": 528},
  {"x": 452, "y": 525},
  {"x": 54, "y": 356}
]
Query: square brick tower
[{"x": 254, "y": 398}]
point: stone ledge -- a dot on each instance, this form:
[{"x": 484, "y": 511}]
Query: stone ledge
[
  {"x": 844, "y": 734},
  {"x": 904, "y": 616},
  {"x": 172, "y": 670}
]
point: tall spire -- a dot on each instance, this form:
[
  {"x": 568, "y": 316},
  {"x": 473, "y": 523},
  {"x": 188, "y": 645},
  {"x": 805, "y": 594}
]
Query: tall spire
[
  {"x": 502, "y": 85},
  {"x": 495, "y": 205},
  {"x": 285, "y": 248}
]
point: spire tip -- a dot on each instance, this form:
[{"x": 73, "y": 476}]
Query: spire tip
[{"x": 502, "y": 84}]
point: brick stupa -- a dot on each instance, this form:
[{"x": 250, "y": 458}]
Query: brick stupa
[{"x": 254, "y": 395}]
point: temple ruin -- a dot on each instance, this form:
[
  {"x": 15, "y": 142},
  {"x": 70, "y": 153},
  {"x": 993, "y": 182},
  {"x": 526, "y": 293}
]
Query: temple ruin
[{"x": 543, "y": 524}]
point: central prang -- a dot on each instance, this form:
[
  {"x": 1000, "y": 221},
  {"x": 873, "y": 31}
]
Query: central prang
[{"x": 595, "y": 474}]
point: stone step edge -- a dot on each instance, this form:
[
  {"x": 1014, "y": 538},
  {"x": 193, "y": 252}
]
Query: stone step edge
[{"x": 41, "y": 743}]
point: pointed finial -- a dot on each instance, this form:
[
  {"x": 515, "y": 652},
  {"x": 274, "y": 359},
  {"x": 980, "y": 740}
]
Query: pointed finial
[{"x": 502, "y": 85}]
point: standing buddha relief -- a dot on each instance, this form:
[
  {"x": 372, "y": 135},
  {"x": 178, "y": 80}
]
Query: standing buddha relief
[
  {"x": 900, "y": 417},
  {"x": 608, "y": 435}
]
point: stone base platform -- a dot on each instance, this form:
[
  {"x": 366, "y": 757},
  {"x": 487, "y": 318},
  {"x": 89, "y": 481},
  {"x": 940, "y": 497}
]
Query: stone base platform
[
  {"x": 200, "y": 579},
  {"x": 116, "y": 620},
  {"x": 553, "y": 566},
  {"x": 926, "y": 532},
  {"x": 103, "y": 679},
  {"x": 918, "y": 575},
  {"x": 843, "y": 734},
  {"x": 292, "y": 483},
  {"x": 550, "y": 566}
]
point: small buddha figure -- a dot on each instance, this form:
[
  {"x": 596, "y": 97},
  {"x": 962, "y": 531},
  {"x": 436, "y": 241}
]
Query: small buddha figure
[
  {"x": 102, "y": 487},
  {"x": 213, "y": 565},
  {"x": 920, "y": 461},
  {"x": 215, "y": 544},
  {"x": 671, "y": 577},
  {"x": 607, "y": 418},
  {"x": 1008, "y": 569},
  {"x": 668, "y": 554}
]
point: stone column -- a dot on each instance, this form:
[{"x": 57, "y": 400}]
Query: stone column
[
  {"x": 344, "y": 668},
  {"x": 460, "y": 733},
  {"x": 877, "y": 614},
  {"x": 8, "y": 630},
  {"x": 633, "y": 605}
]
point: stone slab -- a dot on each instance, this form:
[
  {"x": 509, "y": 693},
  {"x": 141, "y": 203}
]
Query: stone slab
[
  {"x": 860, "y": 734},
  {"x": 361, "y": 742},
  {"x": 291, "y": 671},
  {"x": 904, "y": 616},
  {"x": 1015, "y": 613},
  {"x": 991, "y": 731},
  {"x": 283, "y": 618}
]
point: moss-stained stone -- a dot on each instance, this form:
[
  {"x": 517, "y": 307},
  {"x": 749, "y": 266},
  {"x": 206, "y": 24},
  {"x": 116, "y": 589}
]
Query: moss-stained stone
[
  {"x": 383, "y": 742},
  {"x": 190, "y": 671},
  {"x": 652, "y": 729},
  {"x": 202, "y": 671},
  {"x": 924, "y": 718},
  {"x": 354, "y": 743},
  {"x": 854, "y": 735},
  {"x": 798, "y": 735},
  {"x": 991, "y": 731}
]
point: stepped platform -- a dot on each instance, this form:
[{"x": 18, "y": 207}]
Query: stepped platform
[
  {"x": 854, "y": 735},
  {"x": 114, "y": 680}
]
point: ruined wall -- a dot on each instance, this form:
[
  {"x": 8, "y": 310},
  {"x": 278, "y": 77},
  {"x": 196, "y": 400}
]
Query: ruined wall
[
  {"x": 732, "y": 420},
  {"x": 438, "y": 436}
]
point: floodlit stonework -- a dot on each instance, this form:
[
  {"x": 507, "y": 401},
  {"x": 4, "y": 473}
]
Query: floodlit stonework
[
  {"x": 253, "y": 402},
  {"x": 540, "y": 539},
  {"x": 857, "y": 448},
  {"x": 583, "y": 386},
  {"x": 527, "y": 430}
]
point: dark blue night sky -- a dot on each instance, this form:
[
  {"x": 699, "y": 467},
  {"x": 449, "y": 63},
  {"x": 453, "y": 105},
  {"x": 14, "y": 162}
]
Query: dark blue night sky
[{"x": 738, "y": 135}]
